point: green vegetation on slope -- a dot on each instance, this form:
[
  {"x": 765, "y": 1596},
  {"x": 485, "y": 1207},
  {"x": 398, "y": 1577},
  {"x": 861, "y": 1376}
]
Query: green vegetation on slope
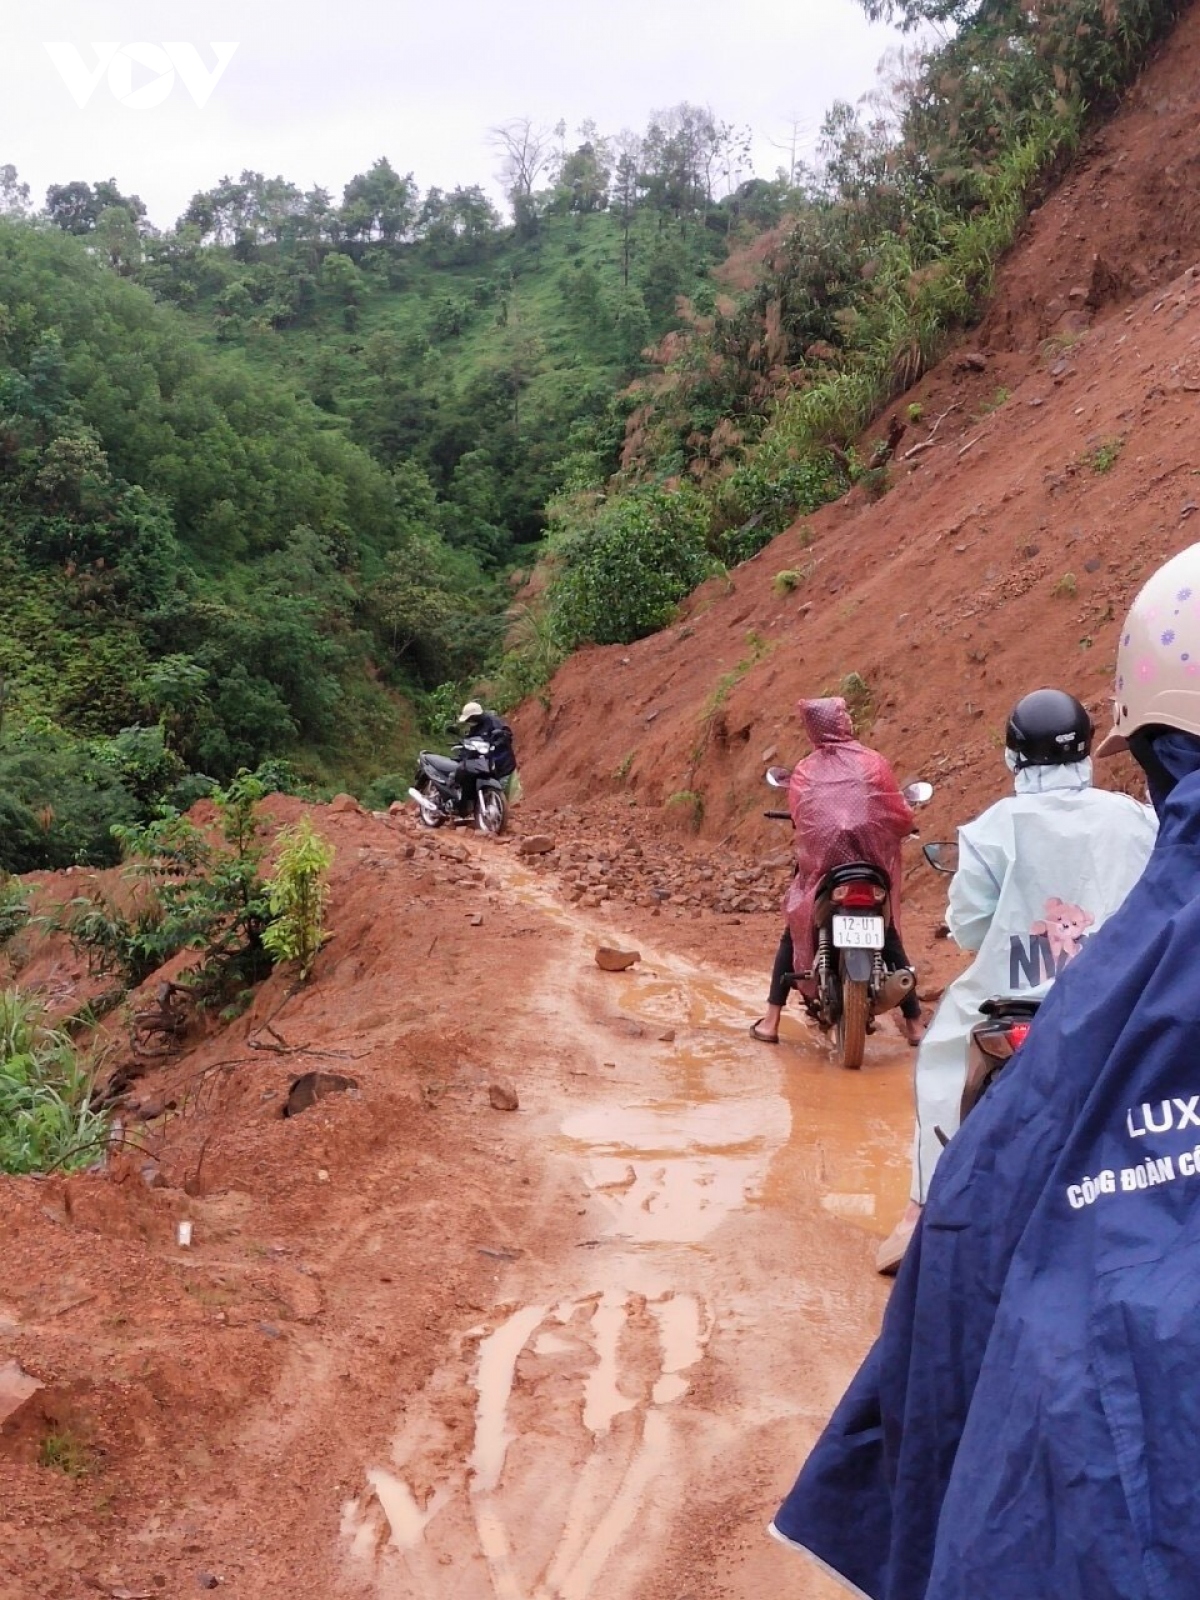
[
  {"x": 889, "y": 251},
  {"x": 264, "y": 477}
]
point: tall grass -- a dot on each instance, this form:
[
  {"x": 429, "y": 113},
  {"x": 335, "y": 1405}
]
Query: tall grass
[{"x": 46, "y": 1114}]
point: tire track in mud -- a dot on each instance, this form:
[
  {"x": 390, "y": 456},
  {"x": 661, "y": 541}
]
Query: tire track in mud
[{"x": 595, "y": 1403}]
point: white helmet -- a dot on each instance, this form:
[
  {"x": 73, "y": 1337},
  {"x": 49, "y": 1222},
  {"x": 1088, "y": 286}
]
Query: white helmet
[
  {"x": 471, "y": 709},
  {"x": 1158, "y": 663}
]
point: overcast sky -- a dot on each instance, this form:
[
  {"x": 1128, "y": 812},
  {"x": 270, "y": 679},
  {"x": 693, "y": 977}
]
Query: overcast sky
[{"x": 318, "y": 91}]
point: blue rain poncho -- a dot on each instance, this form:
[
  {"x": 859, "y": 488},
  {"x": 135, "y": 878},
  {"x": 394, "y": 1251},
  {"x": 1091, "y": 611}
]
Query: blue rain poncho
[{"x": 1028, "y": 1423}]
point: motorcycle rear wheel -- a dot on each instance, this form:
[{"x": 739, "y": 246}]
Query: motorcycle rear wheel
[
  {"x": 852, "y": 1023},
  {"x": 491, "y": 812},
  {"x": 423, "y": 817}
]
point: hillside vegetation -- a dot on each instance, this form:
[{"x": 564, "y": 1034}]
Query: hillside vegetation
[
  {"x": 754, "y": 410},
  {"x": 263, "y": 476}
]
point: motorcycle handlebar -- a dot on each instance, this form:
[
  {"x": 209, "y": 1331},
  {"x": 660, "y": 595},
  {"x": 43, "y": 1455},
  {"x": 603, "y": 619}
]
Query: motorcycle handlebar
[{"x": 778, "y": 816}]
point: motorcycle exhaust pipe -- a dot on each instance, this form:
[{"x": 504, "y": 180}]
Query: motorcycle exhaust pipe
[
  {"x": 427, "y": 808},
  {"x": 894, "y": 988}
]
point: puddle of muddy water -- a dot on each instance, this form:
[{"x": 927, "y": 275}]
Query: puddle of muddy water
[
  {"x": 672, "y": 1173},
  {"x": 493, "y": 1382}
]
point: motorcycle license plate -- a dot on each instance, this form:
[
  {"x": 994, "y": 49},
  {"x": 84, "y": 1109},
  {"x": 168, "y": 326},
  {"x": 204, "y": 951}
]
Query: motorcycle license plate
[{"x": 858, "y": 933}]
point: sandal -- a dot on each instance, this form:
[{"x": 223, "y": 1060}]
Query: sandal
[{"x": 763, "y": 1038}]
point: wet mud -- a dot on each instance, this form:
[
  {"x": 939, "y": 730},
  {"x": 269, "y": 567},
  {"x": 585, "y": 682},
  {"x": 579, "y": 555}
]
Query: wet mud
[{"x": 610, "y": 1381}]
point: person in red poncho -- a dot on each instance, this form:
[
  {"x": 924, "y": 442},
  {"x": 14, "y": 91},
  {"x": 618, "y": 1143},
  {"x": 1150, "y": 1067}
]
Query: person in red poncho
[{"x": 846, "y": 806}]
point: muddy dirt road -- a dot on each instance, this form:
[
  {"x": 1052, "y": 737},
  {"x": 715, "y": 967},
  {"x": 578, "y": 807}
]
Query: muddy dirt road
[
  {"x": 424, "y": 1349},
  {"x": 677, "y": 1320}
]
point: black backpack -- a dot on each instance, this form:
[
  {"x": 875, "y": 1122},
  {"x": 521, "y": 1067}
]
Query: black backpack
[{"x": 504, "y": 761}]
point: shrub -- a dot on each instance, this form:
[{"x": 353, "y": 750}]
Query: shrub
[
  {"x": 296, "y": 893},
  {"x": 14, "y": 908},
  {"x": 192, "y": 893},
  {"x": 626, "y": 571},
  {"x": 46, "y": 1113}
]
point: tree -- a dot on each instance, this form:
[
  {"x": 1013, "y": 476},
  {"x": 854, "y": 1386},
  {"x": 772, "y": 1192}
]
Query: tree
[
  {"x": 379, "y": 204},
  {"x": 585, "y": 174},
  {"x": 118, "y": 238},
  {"x": 627, "y": 192},
  {"x": 72, "y": 206},
  {"x": 14, "y": 195},
  {"x": 527, "y": 154}
]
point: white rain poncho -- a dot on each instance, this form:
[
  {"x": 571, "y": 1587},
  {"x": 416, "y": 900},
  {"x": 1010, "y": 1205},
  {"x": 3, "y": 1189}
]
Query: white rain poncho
[{"x": 1038, "y": 873}]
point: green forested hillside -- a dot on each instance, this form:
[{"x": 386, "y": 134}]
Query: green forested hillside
[{"x": 264, "y": 476}]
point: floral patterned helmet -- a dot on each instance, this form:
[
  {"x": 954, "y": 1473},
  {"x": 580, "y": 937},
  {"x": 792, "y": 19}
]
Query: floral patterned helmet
[{"x": 1158, "y": 663}]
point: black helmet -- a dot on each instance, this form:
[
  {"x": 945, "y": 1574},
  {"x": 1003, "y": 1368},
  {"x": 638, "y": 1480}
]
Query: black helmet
[{"x": 1048, "y": 728}]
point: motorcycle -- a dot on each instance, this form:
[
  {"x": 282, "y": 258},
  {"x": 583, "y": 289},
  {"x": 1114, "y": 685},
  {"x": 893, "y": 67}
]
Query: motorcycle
[
  {"x": 1006, "y": 1019},
  {"x": 851, "y": 916},
  {"x": 439, "y": 795}
]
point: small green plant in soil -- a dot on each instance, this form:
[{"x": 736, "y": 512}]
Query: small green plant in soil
[
  {"x": 1066, "y": 588},
  {"x": 61, "y": 1451},
  {"x": 1104, "y": 457},
  {"x": 296, "y": 894},
  {"x": 787, "y": 581},
  {"x": 860, "y": 702},
  {"x": 997, "y": 400},
  {"x": 693, "y": 801}
]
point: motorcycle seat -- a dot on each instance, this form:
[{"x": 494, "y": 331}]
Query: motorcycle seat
[
  {"x": 439, "y": 763},
  {"x": 1009, "y": 1006},
  {"x": 855, "y": 871}
]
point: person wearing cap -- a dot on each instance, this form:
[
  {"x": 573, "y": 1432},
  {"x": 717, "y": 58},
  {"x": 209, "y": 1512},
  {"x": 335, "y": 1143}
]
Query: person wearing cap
[
  {"x": 501, "y": 760},
  {"x": 1028, "y": 1423},
  {"x": 1039, "y": 873}
]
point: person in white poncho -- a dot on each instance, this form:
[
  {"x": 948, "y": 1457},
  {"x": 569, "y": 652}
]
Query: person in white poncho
[{"x": 1038, "y": 873}]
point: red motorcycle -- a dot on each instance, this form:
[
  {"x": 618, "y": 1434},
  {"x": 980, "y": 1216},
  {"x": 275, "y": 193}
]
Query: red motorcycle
[{"x": 851, "y": 916}]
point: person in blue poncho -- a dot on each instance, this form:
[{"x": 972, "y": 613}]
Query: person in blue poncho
[{"x": 1027, "y": 1426}]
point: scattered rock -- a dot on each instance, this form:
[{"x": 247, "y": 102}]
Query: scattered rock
[
  {"x": 16, "y": 1387},
  {"x": 476, "y": 920},
  {"x": 972, "y": 361},
  {"x": 609, "y": 959},
  {"x": 503, "y": 1096},
  {"x": 667, "y": 1036},
  {"x": 310, "y": 1087},
  {"x": 536, "y": 844},
  {"x": 270, "y": 1330},
  {"x": 207, "y": 1580},
  {"x": 341, "y": 803}
]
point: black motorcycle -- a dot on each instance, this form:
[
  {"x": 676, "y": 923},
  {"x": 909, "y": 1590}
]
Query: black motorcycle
[
  {"x": 1006, "y": 1019},
  {"x": 851, "y": 916},
  {"x": 440, "y": 794}
]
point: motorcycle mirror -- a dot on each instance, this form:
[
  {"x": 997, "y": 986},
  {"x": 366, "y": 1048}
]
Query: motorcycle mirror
[
  {"x": 941, "y": 857},
  {"x": 918, "y": 793},
  {"x": 778, "y": 777}
]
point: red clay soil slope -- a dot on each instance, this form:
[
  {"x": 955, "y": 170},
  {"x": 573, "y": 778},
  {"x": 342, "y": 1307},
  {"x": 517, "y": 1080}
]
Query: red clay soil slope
[{"x": 1065, "y": 466}]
